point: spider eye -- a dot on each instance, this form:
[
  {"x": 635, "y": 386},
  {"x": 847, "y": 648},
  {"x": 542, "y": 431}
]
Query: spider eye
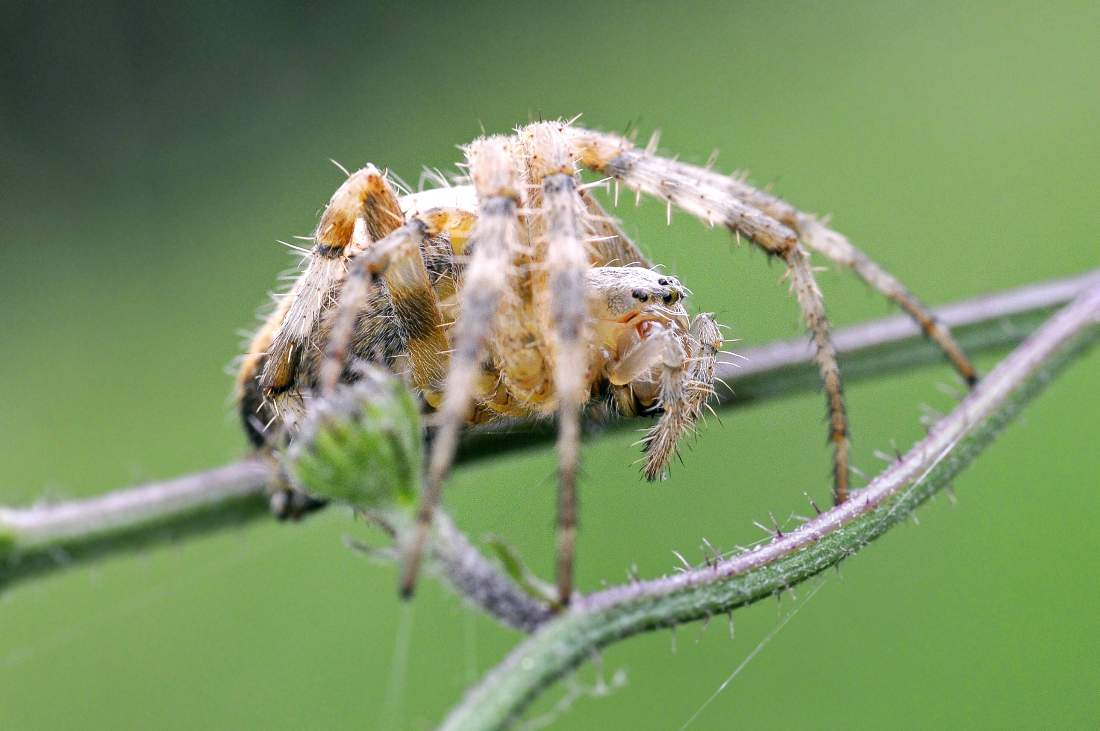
[
  {"x": 663, "y": 282},
  {"x": 672, "y": 297},
  {"x": 640, "y": 294}
]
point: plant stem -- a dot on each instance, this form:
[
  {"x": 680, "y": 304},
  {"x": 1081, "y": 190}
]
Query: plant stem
[
  {"x": 43, "y": 537},
  {"x": 614, "y": 614},
  {"x": 480, "y": 582}
]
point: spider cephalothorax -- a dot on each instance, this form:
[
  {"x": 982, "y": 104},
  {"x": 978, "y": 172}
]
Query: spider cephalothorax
[{"x": 517, "y": 295}]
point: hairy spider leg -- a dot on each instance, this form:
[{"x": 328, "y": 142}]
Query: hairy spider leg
[
  {"x": 686, "y": 385},
  {"x": 363, "y": 209},
  {"x": 681, "y": 185},
  {"x": 560, "y": 292},
  {"x": 705, "y": 339},
  {"x": 815, "y": 235},
  {"x": 836, "y": 247},
  {"x": 686, "y": 382},
  {"x": 495, "y": 242}
]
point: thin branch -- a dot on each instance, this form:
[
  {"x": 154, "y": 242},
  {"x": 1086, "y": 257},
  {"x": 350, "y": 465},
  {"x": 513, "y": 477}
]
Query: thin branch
[
  {"x": 605, "y": 617},
  {"x": 480, "y": 582},
  {"x": 48, "y": 536},
  {"x": 48, "y": 525},
  {"x": 44, "y": 537}
]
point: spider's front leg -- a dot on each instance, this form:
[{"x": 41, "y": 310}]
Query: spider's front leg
[
  {"x": 695, "y": 191},
  {"x": 836, "y": 247},
  {"x": 816, "y": 236}
]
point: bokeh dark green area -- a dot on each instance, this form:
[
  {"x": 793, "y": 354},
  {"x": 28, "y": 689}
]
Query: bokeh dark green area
[{"x": 151, "y": 154}]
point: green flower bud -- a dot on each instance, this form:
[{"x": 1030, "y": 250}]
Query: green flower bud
[{"x": 362, "y": 445}]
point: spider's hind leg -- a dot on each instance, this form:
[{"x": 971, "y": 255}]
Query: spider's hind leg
[
  {"x": 396, "y": 260},
  {"x": 836, "y": 247},
  {"x": 279, "y": 367},
  {"x": 363, "y": 209}
]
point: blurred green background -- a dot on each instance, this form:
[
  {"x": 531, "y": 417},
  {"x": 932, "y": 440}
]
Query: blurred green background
[{"x": 150, "y": 155}]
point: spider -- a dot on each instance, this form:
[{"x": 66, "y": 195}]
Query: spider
[{"x": 517, "y": 295}]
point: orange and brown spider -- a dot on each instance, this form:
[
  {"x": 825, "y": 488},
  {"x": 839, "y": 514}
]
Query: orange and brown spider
[{"x": 517, "y": 295}]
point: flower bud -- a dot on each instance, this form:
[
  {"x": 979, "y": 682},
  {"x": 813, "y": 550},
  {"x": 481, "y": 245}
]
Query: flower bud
[{"x": 362, "y": 445}]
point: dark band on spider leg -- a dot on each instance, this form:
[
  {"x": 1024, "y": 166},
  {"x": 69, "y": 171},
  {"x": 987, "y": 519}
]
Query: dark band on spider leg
[
  {"x": 327, "y": 251},
  {"x": 500, "y": 205},
  {"x": 558, "y": 183},
  {"x": 621, "y": 165}
]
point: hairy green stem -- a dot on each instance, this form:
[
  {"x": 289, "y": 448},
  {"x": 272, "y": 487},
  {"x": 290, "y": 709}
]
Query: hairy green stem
[{"x": 605, "y": 617}]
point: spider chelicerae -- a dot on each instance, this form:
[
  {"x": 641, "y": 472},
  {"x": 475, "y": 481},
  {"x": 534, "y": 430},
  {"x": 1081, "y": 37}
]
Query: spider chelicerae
[{"x": 516, "y": 294}]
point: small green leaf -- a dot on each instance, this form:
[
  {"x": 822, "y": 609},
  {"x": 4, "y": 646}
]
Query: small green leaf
[{"x": 518, "y": 571}]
